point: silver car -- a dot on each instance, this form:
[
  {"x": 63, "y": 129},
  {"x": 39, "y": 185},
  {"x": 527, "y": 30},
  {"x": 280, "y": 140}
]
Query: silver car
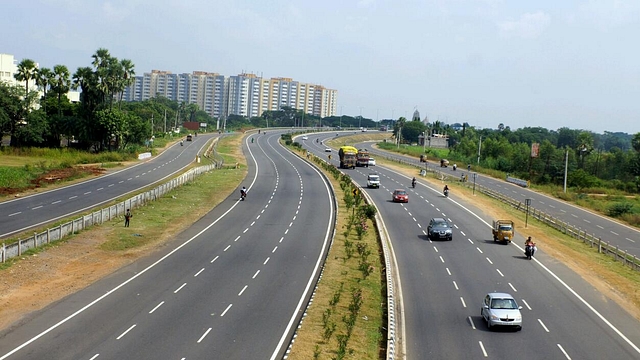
[{"x": 501, "y": 309}]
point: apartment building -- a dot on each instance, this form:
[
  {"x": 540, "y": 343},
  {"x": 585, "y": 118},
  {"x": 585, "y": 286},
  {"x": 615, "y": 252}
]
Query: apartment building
[{"x": 244, "y": 94}]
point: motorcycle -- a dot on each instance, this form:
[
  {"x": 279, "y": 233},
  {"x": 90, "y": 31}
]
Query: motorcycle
[
  {"x": 455, "y": 167},
  {"x": 243, "y": 195},
  {"x": 181, "y": 143},
  {"x": 317, "y": 141},
  {"x": 413, "y": 184},
  {"x": 446, "y": 193},
  {"x": 529, "y": 250}
]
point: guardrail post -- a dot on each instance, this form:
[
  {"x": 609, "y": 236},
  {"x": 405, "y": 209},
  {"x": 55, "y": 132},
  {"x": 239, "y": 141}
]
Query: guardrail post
[
  {"x": 19, "y": 247},
  {"x": 48, "y": 235},
  {"x": 3, "y": 251},
  {"x": 35, "y": 239}
]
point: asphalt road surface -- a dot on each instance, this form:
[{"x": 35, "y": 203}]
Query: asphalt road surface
[
  {"x": 232, "y": 286},
  {"x": 444, "y": 282},
  {"x": 27, "y": 212}
]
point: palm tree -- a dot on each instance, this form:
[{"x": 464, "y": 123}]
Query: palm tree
[
  {"x": 43, "y": 80},
  {"x": 128, "y": 72},
  {"x": 398, "y": 128},
  {"x": 61, "y": 83},
  {"x": 26, "y": 71}
]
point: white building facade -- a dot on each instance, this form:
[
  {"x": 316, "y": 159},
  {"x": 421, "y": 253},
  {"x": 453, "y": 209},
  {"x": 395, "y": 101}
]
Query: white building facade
[{"x": 246, "y": 95}]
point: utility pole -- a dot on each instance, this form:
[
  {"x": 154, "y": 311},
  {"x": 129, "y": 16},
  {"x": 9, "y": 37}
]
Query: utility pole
[
  {"x": 566, "y": 165},
  {"x": 479, "y": 147}
]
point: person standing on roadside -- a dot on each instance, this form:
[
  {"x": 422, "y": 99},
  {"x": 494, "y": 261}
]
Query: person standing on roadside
[{"x": 127, "y": 218}]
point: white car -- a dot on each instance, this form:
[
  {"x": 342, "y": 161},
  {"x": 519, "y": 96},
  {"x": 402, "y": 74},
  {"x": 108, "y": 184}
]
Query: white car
[
  {"x": 305, "y": 137},
  {"x": 327, "y": 149},
  {"x": 501, "y": 309},
  {"x": 373, "y": 181},
  {"x": 372, "y": 161}
]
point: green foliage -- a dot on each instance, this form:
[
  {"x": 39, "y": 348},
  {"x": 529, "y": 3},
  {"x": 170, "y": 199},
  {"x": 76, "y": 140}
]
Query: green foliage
[{"x": 619, "y": 209}]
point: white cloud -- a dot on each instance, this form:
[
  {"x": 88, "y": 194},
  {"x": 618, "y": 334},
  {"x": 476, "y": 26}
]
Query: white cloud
[{"x": 529, "y": 26}]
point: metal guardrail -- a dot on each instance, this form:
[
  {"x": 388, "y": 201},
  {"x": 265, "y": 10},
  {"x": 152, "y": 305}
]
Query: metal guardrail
[
  {"x": 564, "y": 227},
  {"x": 105, "y": 214}
]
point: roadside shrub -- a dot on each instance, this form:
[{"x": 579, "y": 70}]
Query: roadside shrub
[{"x": 619, "y": 209}]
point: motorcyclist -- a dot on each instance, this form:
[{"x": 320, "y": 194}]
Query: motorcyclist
[
  {"x": 529, "y": 248},
  {"x": 317, "y": 140},
  {"x": 243, "y": 193},
  {"x": 455, "y": 167},
  {"x": 446, "y": 190},
  {"x": 413, "y": 182},
  {"x": 181, "y": 143}
]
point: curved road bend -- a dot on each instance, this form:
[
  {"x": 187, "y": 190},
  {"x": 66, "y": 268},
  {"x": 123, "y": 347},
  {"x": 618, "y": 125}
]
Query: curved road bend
[{"x": 232, "y": 286}]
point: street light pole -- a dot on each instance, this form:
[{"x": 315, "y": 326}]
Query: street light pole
[{"x": 566, "y": 165}]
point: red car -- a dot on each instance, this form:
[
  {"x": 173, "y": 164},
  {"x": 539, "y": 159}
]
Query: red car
[{"x": 400, "y": 195}]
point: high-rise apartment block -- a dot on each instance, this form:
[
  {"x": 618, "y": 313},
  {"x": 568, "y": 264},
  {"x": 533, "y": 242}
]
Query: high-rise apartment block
[{"x": 245, "y": 94}]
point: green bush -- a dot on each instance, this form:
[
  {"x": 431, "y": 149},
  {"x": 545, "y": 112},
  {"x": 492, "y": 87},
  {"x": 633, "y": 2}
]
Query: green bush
[{"x": 619, "y": 209}]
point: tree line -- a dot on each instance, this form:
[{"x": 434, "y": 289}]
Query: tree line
[
  {"x": 610, "y": 160},
  {"x": 99, "y": 121}
]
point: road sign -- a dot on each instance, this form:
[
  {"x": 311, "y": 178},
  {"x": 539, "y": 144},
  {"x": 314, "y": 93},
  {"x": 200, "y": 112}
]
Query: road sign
[{"x": 355, "y": 191}]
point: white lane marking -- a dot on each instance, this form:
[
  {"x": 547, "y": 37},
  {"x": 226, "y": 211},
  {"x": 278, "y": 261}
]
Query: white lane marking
[
  {"x": 73, "y": 197},
  {"x": 564, "y": 352},
  {"x": 225, "y": 310},
  {"x": 574, "y": 215},
  {"x": 471, "y": 241},
  {"x": 291, "y": 224},
  {"x": 252, "y": 223},
  {"x": 448, "y": 272},
  {"x": 420, "y": 226},
  {"x": 256, "y": 274},
  {"x": 500, "y": 272},
  {"x": 274, "y": 249},
  {"x": 294, "y": 218},
  {"x": 94, "y": 356},
  {"x": 282, "y": 238},
  {"x": 564, "y": 211},
  {"x": 180, "y": 288},
  {"x": 245, "y": 230},
  {"x": 630, "y": 240},
  {"x": 243, "y": 289},
  {"x": 473, "y": 326},
  {"x": 227, "y": 248},
  {"x": 120, "y": 182},
  {"x": 266, "y": 261},
  {"x": 204, "y": 335},
  {"x": 214, "y": 259},
  {"x": 198, "y": 273},
  {"x": 87, "y": 193},
  {"x": 236, "y": 239},
  {"x": 441, "y": 259},
  {"x": 463, "y": 234},
  {"x": 543, "y": 326},
  {"x": 37, "y": 207},
  {"x": 414, "y": 219},
  {"x": 110, "y": 185},
  {"x": 551, "y": 206},
  {"x": 484, "y": 352},
  {"x": 489, "y": 260},
  {"x": 587, "y": 221},
  {"x": 512, "y": 287},
  {"x": 455, "y": 285},
  {"x": 286, "y": 231},
  {"x": 100, "y": 189},
  {"x": 479, "y": 250},
  {"x": 463, "y": 303},
  {"x": 56, "y": 202},
  {"x": 526, "y": 304},
  {"x": 258, "y": 217},
  {"x": 156, "y": 308},
  {"x": 600, "y": 227},
  {"x": 125, "y": 332},
  {"x": 615, "y": 233},
  {"x": 435, "y": 248}
]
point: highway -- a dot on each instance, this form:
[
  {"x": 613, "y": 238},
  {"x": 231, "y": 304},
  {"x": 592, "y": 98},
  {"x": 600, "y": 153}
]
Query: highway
[
  {"x": 443, "y": 284},
  {"x": 625, "y": 237},
  {"x": 41, "y": 208},
  {"x": 232, "y": 286}
]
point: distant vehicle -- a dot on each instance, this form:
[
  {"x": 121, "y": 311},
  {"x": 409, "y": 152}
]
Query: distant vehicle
[
  {"x": 362, "y": 157},
  {"x": 364, "y": 129},
  {"x": 423, "y": 158},
  {"x": 189, "y": 137},
  {"x": 372, "y": 161},
  {"x": 439, "y": 228},
  {"x": 347, "y": 157},
  {"x": 327, "y": 149},
  {"x": 373, "y": 180},
  {"x": 444, "y": 162},
  {"x": 305, "y": 137},
  {"x": 501, "y": 309},
  {"x": 400, "y": 195}
]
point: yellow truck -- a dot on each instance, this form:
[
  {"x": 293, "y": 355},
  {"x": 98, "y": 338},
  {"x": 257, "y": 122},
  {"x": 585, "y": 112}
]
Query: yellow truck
[{"x": 503, "y": 230}]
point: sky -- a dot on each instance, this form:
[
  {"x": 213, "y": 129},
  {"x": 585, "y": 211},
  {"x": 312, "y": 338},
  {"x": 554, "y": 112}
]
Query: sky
[{"x": 522, "y": 63}]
